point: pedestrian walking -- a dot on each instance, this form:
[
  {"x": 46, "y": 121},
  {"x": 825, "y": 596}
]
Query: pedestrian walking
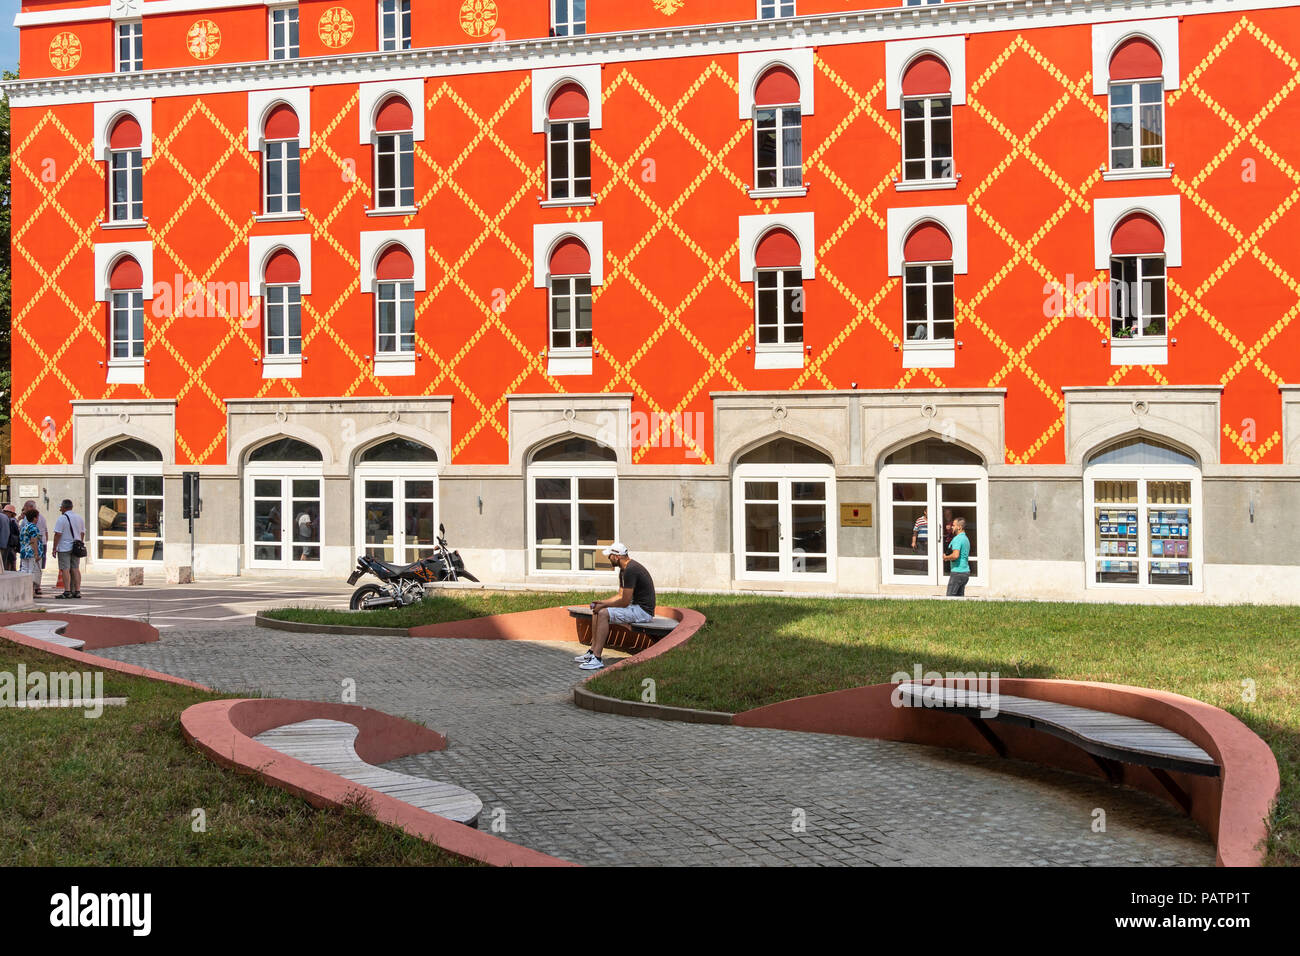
[
  {"x": 9, "y": 537},
  {"x": 959, "y": 573},
  {"x": 70, "y": 545}
]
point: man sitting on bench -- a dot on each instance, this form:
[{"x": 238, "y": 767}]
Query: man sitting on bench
[{"x": 634, "y": 604}]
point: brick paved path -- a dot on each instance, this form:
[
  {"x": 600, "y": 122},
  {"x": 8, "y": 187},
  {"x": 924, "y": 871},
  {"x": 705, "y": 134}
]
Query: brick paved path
[{"x": 605, "y": 789}]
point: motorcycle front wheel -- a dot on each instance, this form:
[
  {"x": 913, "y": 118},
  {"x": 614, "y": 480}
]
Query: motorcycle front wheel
[{"x": 360, "y": 594}]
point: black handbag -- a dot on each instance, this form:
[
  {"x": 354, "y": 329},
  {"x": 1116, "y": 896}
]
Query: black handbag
[{"x": 78, "y": 546}]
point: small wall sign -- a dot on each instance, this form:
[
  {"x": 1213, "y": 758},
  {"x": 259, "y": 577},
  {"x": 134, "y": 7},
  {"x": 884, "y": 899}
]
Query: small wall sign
[{"x": 855, "y": 515}]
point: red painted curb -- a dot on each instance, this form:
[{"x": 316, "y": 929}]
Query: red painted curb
[
  {"x": 1235, "y": 807},
  {"x": 220, "y": 728},
  {"x": 96, "y": 631},
  {"x": 91, "y": 660}
]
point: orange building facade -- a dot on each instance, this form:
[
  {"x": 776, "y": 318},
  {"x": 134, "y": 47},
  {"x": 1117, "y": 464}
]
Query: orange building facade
[{"x": 772, "y": 292}]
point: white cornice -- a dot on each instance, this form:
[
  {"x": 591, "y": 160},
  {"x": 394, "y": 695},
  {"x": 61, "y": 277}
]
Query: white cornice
[
  {"x": 105, "y": 12},
  {"x": 891, "y": 23}
]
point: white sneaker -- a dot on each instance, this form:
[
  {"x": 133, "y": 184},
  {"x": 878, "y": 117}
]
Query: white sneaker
[
  {"x": 594, "y": 664},
  {"x": 583, "y": 658}
]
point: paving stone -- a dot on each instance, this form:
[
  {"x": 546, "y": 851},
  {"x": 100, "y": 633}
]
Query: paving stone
[{"x": 599, "y": 788}]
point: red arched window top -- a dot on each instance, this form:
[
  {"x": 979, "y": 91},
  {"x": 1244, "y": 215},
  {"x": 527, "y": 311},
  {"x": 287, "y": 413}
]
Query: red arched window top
[
  {"x": 395, "y": 265},
  {"x": 569, "y": 103},
  {"x": 281, "y": 123},
  {"x": 928, "y": 242},
  {"x": 282, "y": 268},
  {"x": 927, "y": 75},
  {"x": 777, "y": 86},
  {"x": 778, "y": 249},
  {"x": 570, "y": 258},
  {"x": 126, "y": 134},
  {"x": 394, "y": 116},
  {"x": 126, "y": 275},
  {"x": 1136, "y": 59},
  {"x": 1137, "y": 235}
]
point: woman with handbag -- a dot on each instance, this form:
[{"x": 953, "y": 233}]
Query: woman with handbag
[
  {"x": 30, "y": 545},
  {"x": 70, "y": 545}
]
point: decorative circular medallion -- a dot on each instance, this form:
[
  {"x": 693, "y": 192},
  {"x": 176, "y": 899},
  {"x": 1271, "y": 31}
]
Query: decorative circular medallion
[
  {"x": 203, "y": 39},
  {"x": 929, "y": 410},
  {"x": 65, "y": 51},
  {"x": 669, "y": 7},
  {"x": 779, "y": 412},
  {"x": 281, "y": 415},
  {"x": 570, "y": 414},
  {"x": 337, "y": 26},
  {"x": 478, "y": 17},
  {"x": 1140, "y": 407},
  {"x": 123, "y": 417},
  {"x": 394, "y": 416}
]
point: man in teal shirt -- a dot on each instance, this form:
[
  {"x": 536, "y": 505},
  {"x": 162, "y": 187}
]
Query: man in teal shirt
[{"x": 959, "y": 570}]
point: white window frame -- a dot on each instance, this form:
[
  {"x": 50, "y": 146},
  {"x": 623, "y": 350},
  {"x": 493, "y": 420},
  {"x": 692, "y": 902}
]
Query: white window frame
[
  {"x": 934, "y": 475},
  {"x": 134, "y": 361},
  {"x": 400, "y": 295},
  {"x": 289, "y": 50},
  {"x": 134, "y": 158},
  {"x": 772, "y": 9},
  {"x": 930, "y": 352},
  {"x": 130, "y": 470},
  {"x": 571, "y": 26},
  {"x": 784, "y": 476},
  {"x": 1143, "y": 474},
  {"x": 286, "y": 472},
  {"x": 782, "y": 353},
  {"x": 394, "y": 15},
  {"x": 397, "y": 472},
  {"x": 572, "y": 349},
  {"x": 1137, "y": 170},
  {"x": 571, "y": 181},
  {"x": 135, "y": 29},
  {"x": 926, "y": 125},
  {"x": 292, "y": 158},
  {"x": 572, "y": 471},
  {"x": 287, "y": 293},
  {"x": 398, "y": 151},
  {"x": 782, "y": 161}
]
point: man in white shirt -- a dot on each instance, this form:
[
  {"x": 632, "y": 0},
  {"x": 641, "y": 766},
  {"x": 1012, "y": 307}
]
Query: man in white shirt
[{"x": 68, "y": 528}]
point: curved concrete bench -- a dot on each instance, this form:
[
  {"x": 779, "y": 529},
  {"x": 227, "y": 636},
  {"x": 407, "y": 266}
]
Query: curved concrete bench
[
  {"x": 629, "y": 637},
  {"x": 49, "y": 631},
  {"x": 94, "y": 631},
  {"x": 330, "y": 745},
  {"x": 1233, "y": 802}
]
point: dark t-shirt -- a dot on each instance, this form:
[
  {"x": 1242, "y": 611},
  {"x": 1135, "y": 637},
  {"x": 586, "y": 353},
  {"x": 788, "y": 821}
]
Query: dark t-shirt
[{"x": 636, "y": 577}]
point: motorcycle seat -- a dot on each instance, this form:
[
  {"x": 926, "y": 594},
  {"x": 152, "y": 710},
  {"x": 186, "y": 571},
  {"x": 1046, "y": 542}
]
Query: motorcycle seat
[{"x": 396, "y": 568}]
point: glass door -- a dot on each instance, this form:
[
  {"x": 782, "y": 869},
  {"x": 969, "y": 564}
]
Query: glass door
[
  {"x": 919, "y": 525},
  {"x": 382, "y": 535},
  {"x": 284, "y": 519},
  {"x": 911, "y": 555},
  {"x": 574, "y": 516},
  {"x": 128, "y": 517},
  {"x": 784, "y": 528}
]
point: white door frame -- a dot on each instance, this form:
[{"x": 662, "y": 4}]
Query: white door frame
[
  {"x": 574, "y": 471},
  {"x": 783, "y": 475},
  {"x": 1142, "y": 474},
  {"x": 398, "y": 473},
  {"x": 130, "y": 469},
  {"x": 933, "y": 475},
  {"x": 285, "y": 472}
]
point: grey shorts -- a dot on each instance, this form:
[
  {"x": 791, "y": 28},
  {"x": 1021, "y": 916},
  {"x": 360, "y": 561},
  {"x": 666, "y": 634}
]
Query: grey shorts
[
  {"x": 69, "y": 561},
  {"x": 957, "y": 583},
  {"x": 632, "y": 614}
]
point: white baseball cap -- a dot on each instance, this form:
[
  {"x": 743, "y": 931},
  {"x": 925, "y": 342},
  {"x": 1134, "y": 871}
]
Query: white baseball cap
[{"x": 618, "y": 547}]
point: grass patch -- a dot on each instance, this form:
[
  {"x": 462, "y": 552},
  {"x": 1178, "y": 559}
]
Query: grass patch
[{"x": 120, "y": 790}]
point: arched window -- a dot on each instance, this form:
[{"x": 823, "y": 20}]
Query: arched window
[
  {"x": 126, "y": 311},
  {"x": 568, "y": 143},
  {"x": 1137, "y": 106},
  {"x": 394, "y": 24},
  {"x": 572, "y": 506},
  {"x": 783, "y": 497},
  {"x": 395, "y": 303},
  {"x": 778, "y": 300},
  {"x": 283, "y": 504},
  {"x": 394, "y": 155},
  {"x": 281, "y": 190},
  {"x": 397, "y": 501},
  {"x": 570, "y": 293},
  {"x": 925, "y": 486},
  {"x": 127, "y": 481},
  {"x": 125, "y": 171},
  {"x": 282, "y": 306},
  {"x": 928, "y": 305},
  {"x": 1137, "y": 279},
  {"x": 778, "y": 131},
  {"x": 1143, "y": 502},
  {"x": 927, "y": 120}
]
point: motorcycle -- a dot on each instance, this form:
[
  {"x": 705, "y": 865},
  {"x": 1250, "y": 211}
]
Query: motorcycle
[{"x": 401, "y": 585}]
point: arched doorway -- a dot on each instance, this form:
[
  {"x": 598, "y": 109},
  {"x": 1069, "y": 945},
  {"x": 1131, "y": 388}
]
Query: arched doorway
[
  {"x": 924, "y": 487},
  {"x": 127, "y": 508},
  {"x": 1143, "y": 515},
  {"x": 283, "y": 497},
  {"x": 396, "y": 486},
  {"x": 572, "y": 505},
  {"x": 783, "y": 502}
]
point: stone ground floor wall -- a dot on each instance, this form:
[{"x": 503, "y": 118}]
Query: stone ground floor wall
[{"x": 682, "y": 529}]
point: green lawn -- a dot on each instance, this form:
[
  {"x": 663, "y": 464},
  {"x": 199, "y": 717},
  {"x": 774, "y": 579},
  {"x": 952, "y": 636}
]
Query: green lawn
[
  {"x": 120, "y": 790},
  {"x": 757, "y": 650}
]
